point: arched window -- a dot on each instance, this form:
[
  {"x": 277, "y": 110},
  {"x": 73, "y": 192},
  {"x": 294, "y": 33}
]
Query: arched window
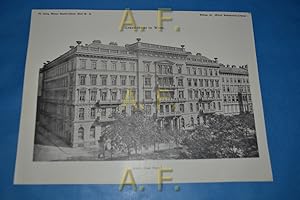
[
  {"x": 182, "y": 123},
  {"x": 92, "y": 132},
  {"x": 198, "y": 120},
  {"x": 81, "y": 133},
  {"x": 192, "y": 121}
]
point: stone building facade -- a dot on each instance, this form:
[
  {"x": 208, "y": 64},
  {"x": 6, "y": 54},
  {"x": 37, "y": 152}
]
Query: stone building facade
[
  {"x": 235, "y": 89},
  {"x": 81, "y": 90}
]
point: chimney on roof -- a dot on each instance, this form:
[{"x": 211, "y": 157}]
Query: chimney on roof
[
  {"x": 113, "y": 43},
  {"x": 97, "y": 41}
]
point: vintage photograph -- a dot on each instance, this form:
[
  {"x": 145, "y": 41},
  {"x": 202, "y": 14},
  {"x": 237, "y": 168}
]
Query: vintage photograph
[
  {"x": 142, "y": 101},
  {"x": 105, "y": 90}
]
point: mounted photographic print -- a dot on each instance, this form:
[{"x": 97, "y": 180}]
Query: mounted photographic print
[{"x": 106, "y": 91}]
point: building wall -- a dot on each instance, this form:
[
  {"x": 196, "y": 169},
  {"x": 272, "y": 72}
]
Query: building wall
[
  {"x": 236, "y": 91},
  {"x": 83, "y": 89}
]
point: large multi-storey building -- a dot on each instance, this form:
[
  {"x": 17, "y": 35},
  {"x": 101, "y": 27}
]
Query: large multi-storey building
[
  {"x": 235, "y": 89},
  {"x": 81, "y": 90}
]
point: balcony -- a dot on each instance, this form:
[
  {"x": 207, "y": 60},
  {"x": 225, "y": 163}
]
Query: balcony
[
  {"x": 173, "y": 87},
  {"x": 108, "y": 102},
  {"x": 168, "y": 100},
  {"x": 207, "y": 99},
  {"x": 169, "y": 114},
  {"x": 210, "y": 111}
]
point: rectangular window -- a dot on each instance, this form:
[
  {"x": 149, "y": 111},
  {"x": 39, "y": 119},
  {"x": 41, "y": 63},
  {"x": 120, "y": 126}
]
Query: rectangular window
[
  {"x": 194, "y": 71},
  {"x": 123, "y": 80},
  {"x": 147, "y": 81},
  {"x": 113, "y": 66},
  {"x": 190, "y": 92},
  {"x": 188, "y": 69},
  {"x": 161, "y": 109},
  {"x": 82, "y": 79},
  {"x": 103, "y": 80},
  {"x": 103, "y": 112},
  {"x": 200, "y": 71},
  {"x": 181, "y": 107},
  {"x": 191, "y": 107},
  {"x": 147, "y": 67},
  {"x": 201, "y": 82},
  {"x": 82, "y": 63},
  {"x": 81, "y": 114},
  {"x": 147, "y": 94},
  {"x": 196, "y": 94},
  {"x": 94, "y": 64},
  {"x": 113, "y": 80},
  {"x": 173, "y": 107},
  {"x": 189, "y": 82},
  {"x": 113, "y": 96},
  {"x": 103, "y": 95},
  {"x": 132, "y": 80},
  {"x": 217, "y": 83},
  {"x": 123, "y": 66},
  {"x": 195, "y": 82},
  {"x": 82, "y": 96},
  {"x": 181, "y": 94},
  {"x": 211, "y": 83},
  {"x": 132, "y": 67},
  {"x": 179, "y": 70},
  {"x": 104, "y": 65},
  {"x": 93, "y": 113},
  {"x": 167, "y": 108},
  {"x": 216, "y": 72},
  {"x": 180, "y": 82},
  {"x": 148, "y": 109},
  {"x": 206, "y": 83},
  {"x": 124, "y": 92},
  {"x": 93, "y": 79},
  {"x": 93, "y": 95}
]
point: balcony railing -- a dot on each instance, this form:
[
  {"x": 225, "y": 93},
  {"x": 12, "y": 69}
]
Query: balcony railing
[{"x": 169, "y": 114}]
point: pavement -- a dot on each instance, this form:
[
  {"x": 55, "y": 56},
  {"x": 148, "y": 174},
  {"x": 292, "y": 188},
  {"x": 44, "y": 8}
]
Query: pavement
[{"x": 49, "y": 147}]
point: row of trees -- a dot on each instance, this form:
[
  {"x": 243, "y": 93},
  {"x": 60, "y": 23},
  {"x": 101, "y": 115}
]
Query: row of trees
[
  {"x": 221, "y": 137},
  {"x": 138, "y": 132}
]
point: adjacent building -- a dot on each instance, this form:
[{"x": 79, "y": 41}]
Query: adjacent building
[
  {"x": 235, "y": 89},
  {"x": 82, "y": 90}
]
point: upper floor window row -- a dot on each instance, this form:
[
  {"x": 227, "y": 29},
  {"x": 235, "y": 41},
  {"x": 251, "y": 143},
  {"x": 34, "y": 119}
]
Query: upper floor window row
[{"x": 111, "y": 65}]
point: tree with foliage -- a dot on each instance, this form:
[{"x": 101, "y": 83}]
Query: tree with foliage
[{"x": 223, "y": 137}]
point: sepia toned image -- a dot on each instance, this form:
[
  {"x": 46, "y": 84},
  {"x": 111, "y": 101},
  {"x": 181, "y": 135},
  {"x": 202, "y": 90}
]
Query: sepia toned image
[{"x": 109, "y": 90}]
